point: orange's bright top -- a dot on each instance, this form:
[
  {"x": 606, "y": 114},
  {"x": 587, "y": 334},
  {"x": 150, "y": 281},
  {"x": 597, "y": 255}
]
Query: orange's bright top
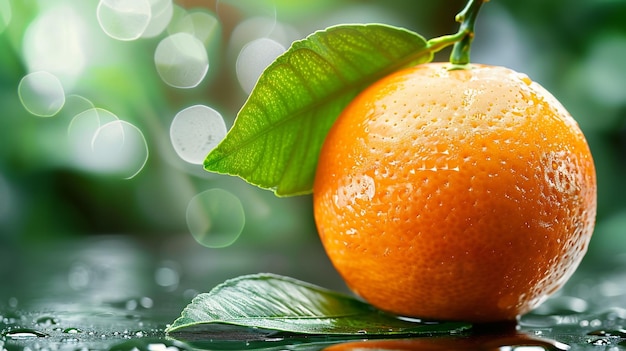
[{"x": 455, "y": 194}]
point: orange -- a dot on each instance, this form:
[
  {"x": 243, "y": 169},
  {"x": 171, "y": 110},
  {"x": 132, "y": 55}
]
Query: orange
[{"x": 455, "y": 194}]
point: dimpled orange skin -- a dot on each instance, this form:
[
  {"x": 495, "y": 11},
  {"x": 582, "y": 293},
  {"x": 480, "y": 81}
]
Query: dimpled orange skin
[{"x": 455, "y": 194}]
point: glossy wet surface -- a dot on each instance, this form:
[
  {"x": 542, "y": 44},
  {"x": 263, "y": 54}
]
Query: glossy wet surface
[{"x": 112, "y": 293}]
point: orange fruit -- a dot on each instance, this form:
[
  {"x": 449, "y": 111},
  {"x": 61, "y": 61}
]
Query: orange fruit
[{"x": 455, "y": 194}]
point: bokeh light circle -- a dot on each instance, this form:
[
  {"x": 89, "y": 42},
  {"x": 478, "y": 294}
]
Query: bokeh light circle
[
  {"x": 200, "y": 23},
  {"x": 259, "y": 8},
  {"x": 195, "y": 131},
  {"x": 76, "y": 104},
  {"x": 215, "y": 218},
  {"x": 57, "y": 41},
  {"x": 251, "y": 29},
  {"x": 254, "y": 58},
  {"x": 124, "y": 19},
  {"x": 120, "y": 148},
  {"x": 167, "y": 275},
  {"x": 178, "y": 22},
  {"x": 5, "y": 14},
  {"x": 162, "y": 12},
  {"x": 181, "y": 60},
  {"x": 41, "y": 94},
  {"x": 100, "y": 142},
  {"x": 80, "y": 134},
  {"x": 204, "y": 26},
  {"x": 606, "y": 77}
]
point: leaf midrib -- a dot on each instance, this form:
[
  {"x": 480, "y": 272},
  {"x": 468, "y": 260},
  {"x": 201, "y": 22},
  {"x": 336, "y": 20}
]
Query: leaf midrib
[{"x": 357, "y": 86}]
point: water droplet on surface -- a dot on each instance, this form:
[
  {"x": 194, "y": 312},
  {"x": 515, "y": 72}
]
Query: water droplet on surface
[
  {"x": 72, "y": 330},
  {"x": 599, "y": 342},
  {"x": 215, "y": 218},
  {"x": 24, "y": 333},
  {"x": 10, "y": 317},
  {"x": 181, "y": 60},
  {"x": 69, "y": 340},
  {"x": 41, "y": 94},
  {"x": 149, "y": 344},
  {"x": 609, "y": 332},
  {"x": 254, "y": 58},
  {"x": 124, "y": 19},
  {"x": 524, "y": 343},
  {"x": 195, "y": 131}
]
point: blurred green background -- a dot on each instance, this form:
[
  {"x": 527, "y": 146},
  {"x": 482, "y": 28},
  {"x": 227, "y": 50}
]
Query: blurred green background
[{"x": 103, "y": 58}]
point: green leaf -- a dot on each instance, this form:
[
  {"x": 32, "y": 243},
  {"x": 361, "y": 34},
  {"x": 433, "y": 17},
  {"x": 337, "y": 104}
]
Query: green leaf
[
  {"x": 276, "y": 138},
  {"x": 257, "y": 306}
]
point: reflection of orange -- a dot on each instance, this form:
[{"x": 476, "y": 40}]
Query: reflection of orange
[
  {"x": 455, "y": 194},
  {"x": 486, "y": 342}
]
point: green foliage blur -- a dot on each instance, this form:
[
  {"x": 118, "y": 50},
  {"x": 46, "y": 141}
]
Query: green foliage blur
[{"x": 573, "y": 48}]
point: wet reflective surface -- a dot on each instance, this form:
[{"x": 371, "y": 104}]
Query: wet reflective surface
[{"x": 113, "y": 293}]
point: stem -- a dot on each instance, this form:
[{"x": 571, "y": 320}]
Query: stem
[
  {"x": 467, "y": 17},
  {"x": 439, "y": 43}
]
